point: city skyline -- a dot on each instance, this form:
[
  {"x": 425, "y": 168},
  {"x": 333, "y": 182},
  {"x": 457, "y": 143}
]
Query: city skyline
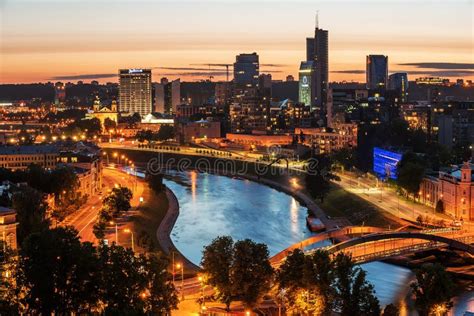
[{"x": 177, "y": 39}]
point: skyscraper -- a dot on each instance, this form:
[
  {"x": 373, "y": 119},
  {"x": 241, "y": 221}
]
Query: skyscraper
[
  {"x": 167, "y": 96},
  {"x": 246, "y": 70},
  {"x": 399, "y": 82},
  {"x": 377, "y": 71},
  {"x": 135, "y": 91},
  {"x": 317, "y": 51},
  {"x": 307, "y": 83}
]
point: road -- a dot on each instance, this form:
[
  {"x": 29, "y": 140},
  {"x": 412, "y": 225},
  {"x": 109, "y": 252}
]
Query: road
[
  {"x": 84, "y": 219},
  {"x": 387, "y": 199}
]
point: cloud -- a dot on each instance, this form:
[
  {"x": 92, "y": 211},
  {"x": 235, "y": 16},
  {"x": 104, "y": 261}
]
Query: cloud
[
  {"x": 440, "y": 66},
  {"x": 441, "y": 73},
  {"x": 83, "y": 76},
  {"x": 350, "y": 71},
  {"x": 187, "y": 68}
]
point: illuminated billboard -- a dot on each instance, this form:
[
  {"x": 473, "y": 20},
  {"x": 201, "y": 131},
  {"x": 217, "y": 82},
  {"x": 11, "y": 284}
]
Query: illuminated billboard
[{"x": 386, "y": 163}]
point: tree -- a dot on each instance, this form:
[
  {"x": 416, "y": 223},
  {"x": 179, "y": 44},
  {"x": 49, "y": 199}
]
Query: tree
[
  {"x": 58, "y": 272},
  {"x": 30, "y": 206},
  {"x": 318, "y": 177},
  {"x": 216, "y": 264},
  {"x": 99, "y": 229},
  {"x": 391, "y": 310},
  {"x": 251, "y": 272},
  {"x": 8, "y": 294},
  {"x": 123, "y": 280},
  {"x": 109, "y": 124},
  {"x": 166, "y": 132},
  {"x": 155, "y": 182},
  {"x": 162, "y": 296},
  {"x": 440, "y": 206},
  {"x": 118, "y": 200},
  {"x": 433, "y": 289},
  {"x": 345, "y": 157},
  {"x": 306, "y": 281},
  {"x": 353, "y": 294},
  {"x": 410, "y": 173}
]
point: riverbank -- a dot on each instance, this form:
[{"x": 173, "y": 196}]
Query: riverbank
[{"x": 163, "y": 233}]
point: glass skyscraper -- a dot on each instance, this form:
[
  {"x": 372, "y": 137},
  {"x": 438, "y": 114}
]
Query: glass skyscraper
[
  {"x": 377, "y": 71},
  {"x": 317, "y": 51},
  {"x": 246, "y": 70}
]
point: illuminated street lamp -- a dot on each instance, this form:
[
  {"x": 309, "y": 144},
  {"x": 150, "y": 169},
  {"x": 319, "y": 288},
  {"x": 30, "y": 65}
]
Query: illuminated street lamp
[
  {"x": 128, "y": 231},
  {"x": 116, "y": 231},
  {"x": 181, "y": 266}
]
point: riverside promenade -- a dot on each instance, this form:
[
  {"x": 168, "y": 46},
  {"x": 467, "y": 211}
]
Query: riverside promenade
[{"x": 163, "y": 233}]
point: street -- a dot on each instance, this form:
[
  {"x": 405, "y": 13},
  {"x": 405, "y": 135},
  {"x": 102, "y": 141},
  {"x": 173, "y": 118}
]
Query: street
[{"x": 84, "y": 219}]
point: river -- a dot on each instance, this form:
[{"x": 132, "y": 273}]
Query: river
[{"x": 212, "y": 205}]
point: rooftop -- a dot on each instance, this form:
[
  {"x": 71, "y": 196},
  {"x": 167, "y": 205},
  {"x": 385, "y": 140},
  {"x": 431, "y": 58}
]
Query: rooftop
[
  {"x": 28, "y": 149},
  {"x": 6, "y": 211}
]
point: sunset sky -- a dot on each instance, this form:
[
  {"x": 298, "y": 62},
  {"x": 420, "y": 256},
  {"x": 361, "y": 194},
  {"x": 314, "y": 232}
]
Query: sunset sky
[{"x": 72, "y": 40}]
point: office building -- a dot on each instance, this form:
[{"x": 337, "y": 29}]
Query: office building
[
  {"x": 377, "y": 71},
  {"x": 246, "y": 70},
  {"x": 167, "y": 96},
  {"x": 317, "y": 51},
  {"x": 249, "y": 113},
  {"x": 135, "y": 91},
  {"x": 307, "y": 83},
  {"x": 399, "y": 82}
]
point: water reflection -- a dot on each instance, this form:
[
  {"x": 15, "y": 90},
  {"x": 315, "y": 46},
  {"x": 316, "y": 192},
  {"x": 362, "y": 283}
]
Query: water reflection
[
  {"x": 240, "y": 208},
  {"x": 212, "y": 206}
]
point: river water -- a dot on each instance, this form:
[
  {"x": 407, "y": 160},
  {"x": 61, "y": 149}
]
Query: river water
[{"x": 212, "y": 205}]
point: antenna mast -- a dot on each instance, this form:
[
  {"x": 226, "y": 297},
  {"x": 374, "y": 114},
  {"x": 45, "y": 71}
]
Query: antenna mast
[{"x": 317, "y": 19}]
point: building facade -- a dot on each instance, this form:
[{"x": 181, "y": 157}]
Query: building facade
[
  {"x": 452, "y": 191},
  {"x": 246, "y": 70},
  {"x": 135, "y": 91},
  {"x": 167, "y": 96},
  {"x": 102, "y": 113},
  {"x": 325, "y": 140},
  {"x": 20, "y": 157},
  {"x": 377, "y": 71},
  {"x": 8, "y": 226},
  {"x": 317, "y": 51},
  {"x": 399, "y": 82},
  {"x": 307, "y": 83}
]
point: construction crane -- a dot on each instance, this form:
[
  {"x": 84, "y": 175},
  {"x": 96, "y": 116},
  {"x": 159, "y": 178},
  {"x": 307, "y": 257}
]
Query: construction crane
[{"x": 217, "y": 65}]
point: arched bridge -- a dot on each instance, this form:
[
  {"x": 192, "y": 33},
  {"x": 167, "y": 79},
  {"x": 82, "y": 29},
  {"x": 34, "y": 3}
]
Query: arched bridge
[
  {"x": 388, "y": 244},
  {"x": 379, "y": 244},
  {"x": 338, "y": 233}
]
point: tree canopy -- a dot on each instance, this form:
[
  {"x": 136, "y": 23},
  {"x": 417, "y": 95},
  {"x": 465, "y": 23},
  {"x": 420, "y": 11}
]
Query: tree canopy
[{"x": 238, "y": 271}]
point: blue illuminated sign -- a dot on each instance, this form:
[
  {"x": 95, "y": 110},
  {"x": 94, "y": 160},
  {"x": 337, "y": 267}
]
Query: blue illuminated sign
[{"x": 386, "y": 163}]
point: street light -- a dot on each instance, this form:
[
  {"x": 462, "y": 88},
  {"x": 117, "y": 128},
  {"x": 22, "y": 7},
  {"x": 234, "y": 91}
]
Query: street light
[
  {"x": 116, "y": 231},
  {"x": 181, "y": 266},
  {"x": 128, "y": 231}
]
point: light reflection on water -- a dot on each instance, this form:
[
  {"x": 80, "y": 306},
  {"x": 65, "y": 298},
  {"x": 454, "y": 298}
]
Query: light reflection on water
[{"x": 212, "y": 206}]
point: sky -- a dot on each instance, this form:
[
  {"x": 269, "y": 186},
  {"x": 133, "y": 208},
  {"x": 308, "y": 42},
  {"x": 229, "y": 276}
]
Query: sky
[{"x": 70, "y": 40}]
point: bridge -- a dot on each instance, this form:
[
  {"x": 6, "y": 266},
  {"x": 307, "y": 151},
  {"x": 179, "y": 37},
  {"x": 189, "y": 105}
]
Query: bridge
[{"x": 373, "y": 243}]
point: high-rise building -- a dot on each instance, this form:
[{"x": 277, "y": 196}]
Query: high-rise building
[
  {"x": 135, "y": 91},
  {"x": 377, "y": 71},
  {"x": 246, "y": 70},
  {"x": 399, "y": 82},
  {"x": 307, "y": 83},
  {"x": 167, "y": 96},
  {"x": 59, "y": 93},
  {"x": 317, "y": 51}
]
